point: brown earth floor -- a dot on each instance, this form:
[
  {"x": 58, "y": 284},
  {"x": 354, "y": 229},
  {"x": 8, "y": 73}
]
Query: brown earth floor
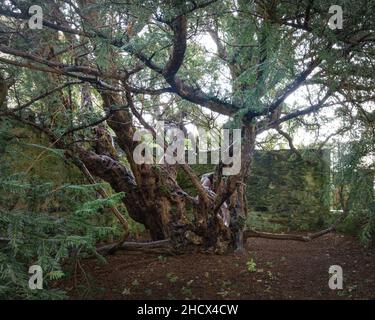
[{"x": 284, "y": 270}]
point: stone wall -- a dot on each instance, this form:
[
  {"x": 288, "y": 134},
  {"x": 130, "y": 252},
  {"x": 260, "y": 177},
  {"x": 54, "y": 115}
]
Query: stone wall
[{"x": 283, "y": 192}]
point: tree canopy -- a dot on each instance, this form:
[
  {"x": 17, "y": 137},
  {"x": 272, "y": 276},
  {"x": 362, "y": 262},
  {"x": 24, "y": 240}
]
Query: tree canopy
[{"x": 95, "y": 71}]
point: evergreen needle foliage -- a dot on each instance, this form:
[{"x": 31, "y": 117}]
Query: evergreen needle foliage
[{"x": 32, "y": 234}]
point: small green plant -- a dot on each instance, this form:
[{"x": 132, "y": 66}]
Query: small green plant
[
  {"x": 171, "y": 296},
  {"x": 187, "y": 292},
  {"x": 251, "y": 265},
  {"x": 162, "y": 258},
  {"x": 172, "y": 277}
]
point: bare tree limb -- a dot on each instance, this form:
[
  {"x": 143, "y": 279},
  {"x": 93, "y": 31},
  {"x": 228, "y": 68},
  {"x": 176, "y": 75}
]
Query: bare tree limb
[{"x": 295, "y": 237}]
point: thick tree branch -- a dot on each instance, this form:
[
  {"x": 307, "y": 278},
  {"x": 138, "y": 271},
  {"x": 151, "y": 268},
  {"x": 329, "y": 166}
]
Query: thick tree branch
[
  {"x": 265, "y": 125},
  {"x": 191, "y": 174},
  {"x": 179, "y": 27},
  {"x": 291, "y": 88}
]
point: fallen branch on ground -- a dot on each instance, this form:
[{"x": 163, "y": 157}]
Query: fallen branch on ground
[
  {"x": 296, "y": 237},
  {"x": 281, "y": 236}
]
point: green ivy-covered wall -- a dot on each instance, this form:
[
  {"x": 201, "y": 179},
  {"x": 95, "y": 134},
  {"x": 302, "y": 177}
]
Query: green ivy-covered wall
[
  {"x": 286, "y": 192},
  {"x": 283, "y": 192}
]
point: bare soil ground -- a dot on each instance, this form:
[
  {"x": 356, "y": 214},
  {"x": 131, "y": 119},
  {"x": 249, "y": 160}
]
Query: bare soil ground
[{"x": 282, "y": 270}]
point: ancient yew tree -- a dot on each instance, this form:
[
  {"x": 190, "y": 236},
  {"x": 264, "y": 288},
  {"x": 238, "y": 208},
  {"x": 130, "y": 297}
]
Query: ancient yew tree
[{"x": 99, "y": 70}]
